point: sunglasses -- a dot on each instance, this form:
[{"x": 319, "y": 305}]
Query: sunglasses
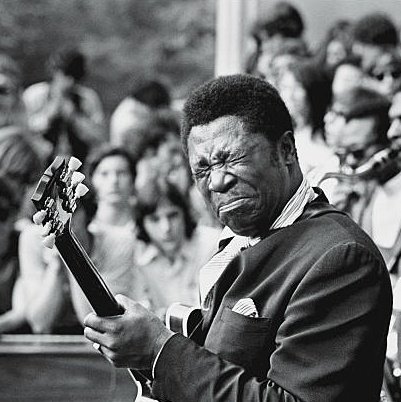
[
  {"x": 357, "y": 154},
  {"x": 395, "y": 74}
]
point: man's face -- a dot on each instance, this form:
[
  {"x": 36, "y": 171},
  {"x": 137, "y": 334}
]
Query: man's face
[
  {"x": 242, "y": 176},
  {"x": 166, "y": 227},
  {"x": 346, "y": 76},
  {"x": 334, "y": 124},
  {"x": 357, "y": 141},
  {"x": 112, "y": 180}
]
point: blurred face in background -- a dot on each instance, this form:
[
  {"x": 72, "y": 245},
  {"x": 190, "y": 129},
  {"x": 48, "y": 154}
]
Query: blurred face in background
[
  {"x": 295, "y": 97},
  {"x": 346, "y": 77},
  {"x": 353, "y": 140},
  {"x": 112, "y": 180},
  {"x": 173, "y": 165},
  {"x": 387, "y": 73},
  {"x": 166, "y": 227},
  {"x": 335, "y": 52}
]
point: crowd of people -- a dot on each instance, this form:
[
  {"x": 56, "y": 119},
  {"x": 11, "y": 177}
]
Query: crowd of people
[{"x": 144, "y": 223}]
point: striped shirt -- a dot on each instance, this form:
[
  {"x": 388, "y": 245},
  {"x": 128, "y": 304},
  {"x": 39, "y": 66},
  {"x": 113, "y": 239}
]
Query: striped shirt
[{"x": 210, "y": 273}]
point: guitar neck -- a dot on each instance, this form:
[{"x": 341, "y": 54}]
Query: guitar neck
[
  {"x": 93, "y": 286},
  {"x": 87, "y": 275}
]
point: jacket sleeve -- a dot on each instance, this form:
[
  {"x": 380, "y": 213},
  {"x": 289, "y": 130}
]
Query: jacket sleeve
[{"x": 330, "y": 344}]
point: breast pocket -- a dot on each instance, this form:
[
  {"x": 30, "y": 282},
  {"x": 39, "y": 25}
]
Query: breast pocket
[{"x": 243, "y": 340}]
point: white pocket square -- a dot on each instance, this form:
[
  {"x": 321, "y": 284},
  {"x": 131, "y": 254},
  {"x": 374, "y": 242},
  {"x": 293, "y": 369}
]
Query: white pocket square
[{"x": 246, "y": 307}]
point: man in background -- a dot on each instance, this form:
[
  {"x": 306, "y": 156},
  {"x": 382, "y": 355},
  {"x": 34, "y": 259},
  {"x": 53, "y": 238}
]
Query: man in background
[{"x": 66, "y": 113}]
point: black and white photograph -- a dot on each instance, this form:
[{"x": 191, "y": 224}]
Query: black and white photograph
[{"x": 200, "y": 201}]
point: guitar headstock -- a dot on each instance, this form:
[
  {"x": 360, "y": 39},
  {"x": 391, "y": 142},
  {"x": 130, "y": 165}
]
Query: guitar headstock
[{"x": 56, "y": 195}]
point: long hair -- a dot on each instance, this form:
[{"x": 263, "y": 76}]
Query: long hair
[{"x": 161, "y": 193}]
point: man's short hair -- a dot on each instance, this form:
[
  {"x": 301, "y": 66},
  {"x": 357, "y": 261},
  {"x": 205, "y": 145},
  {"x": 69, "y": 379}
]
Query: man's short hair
[
  {"x": 152, "y": 93},
  {"x": 254, "y": 101},
  {"x": 376, "y": 29}
]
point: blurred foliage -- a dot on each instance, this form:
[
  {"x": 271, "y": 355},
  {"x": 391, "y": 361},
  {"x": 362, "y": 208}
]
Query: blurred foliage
[{"x": 124, "y": 40}]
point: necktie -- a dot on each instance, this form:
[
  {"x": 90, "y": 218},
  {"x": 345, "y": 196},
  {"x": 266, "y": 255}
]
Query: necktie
[{"x": 215, "y": 267}]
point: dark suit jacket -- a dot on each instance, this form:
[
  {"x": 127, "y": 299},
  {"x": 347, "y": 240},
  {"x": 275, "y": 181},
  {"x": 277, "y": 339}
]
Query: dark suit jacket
[{"x": 324, "y": 299}]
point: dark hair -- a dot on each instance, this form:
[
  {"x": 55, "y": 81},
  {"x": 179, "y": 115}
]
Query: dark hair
[
  {"x": 151, "y": 132},
  {"x": 254, "y": 101},
  {"x": 104, "y": 151},
  {"x": 88, "y": 202},
  {"x": 284, "y": 19},
  {"x": 317, "y": 85},
  {"x": 151, "y": 93},
  {"x": 376, "y": 29},
  {"x": 340, "y": 31},
  {"x": 70, "y": 61},
  {"x": 383, "y": 124},
  {"x": 148, "y": 205}
]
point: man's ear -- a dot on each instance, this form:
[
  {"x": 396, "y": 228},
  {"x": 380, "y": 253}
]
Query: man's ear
[{"x": 287, "y": 147}]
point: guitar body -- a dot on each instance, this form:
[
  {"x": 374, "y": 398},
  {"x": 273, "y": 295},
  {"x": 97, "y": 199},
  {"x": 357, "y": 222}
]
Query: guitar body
[{"x": 185, "y": 320}]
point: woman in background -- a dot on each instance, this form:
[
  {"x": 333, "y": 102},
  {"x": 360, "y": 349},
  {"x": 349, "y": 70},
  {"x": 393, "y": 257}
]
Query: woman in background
[
  {"x": 306, "y": 90},
  {"x": 111, "y": 238}
]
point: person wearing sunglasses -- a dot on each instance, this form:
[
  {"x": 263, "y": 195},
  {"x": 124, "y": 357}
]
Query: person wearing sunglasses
[
  {"x": 365, "y": 131},
  {"x": 387, "y": 74},
  {"x": 358, "y": 129}
]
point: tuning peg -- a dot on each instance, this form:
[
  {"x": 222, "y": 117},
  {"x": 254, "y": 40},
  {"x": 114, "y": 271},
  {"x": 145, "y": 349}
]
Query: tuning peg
[
  {"x": 81, "y": 190},
  {"x": 39, "y": 217},
  {"x": 49, "y": 241},
  {"x": 77, "y": 177},
  {"x": 46, "y": 228},
  {"x": 74, "y": 164}
]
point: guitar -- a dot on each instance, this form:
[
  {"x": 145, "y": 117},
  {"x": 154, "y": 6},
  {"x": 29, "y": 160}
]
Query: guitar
[{"x": 55, "y": 198}]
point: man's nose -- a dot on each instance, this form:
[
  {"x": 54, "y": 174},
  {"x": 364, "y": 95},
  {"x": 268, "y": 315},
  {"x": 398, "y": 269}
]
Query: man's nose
[{"x": 220, "y": 181}]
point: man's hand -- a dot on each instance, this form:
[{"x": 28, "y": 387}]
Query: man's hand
[{"x": 132, "y": 339}]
